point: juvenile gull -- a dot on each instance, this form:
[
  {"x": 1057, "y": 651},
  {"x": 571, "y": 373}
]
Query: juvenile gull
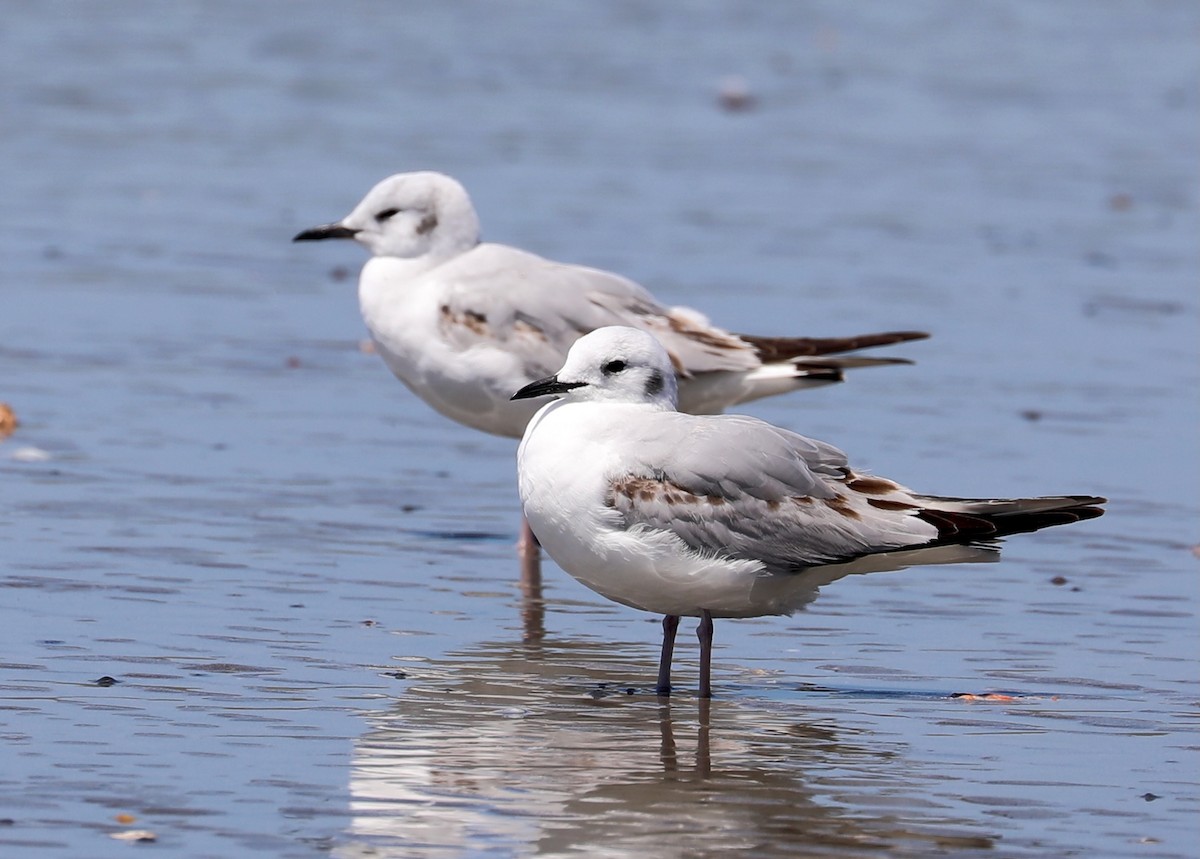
[
  {"x": 464, "y": 323},
  {"x": 722, "y": 515}
]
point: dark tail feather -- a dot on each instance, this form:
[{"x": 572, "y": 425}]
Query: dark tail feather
[
  {"x": 965, "y": 520},
  {"x": 775, "y": 349}
]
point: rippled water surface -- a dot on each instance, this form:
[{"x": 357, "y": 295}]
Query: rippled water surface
[{"x": 256, "y": 599}]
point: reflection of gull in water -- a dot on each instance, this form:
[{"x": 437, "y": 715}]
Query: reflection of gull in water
[{"x": 539, "y": 749}]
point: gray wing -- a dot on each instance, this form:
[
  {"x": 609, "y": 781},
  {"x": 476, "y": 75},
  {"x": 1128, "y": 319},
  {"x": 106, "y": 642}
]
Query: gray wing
[
  {"x": 737, "y": 487},
  {"x": 532, "y": 307}
]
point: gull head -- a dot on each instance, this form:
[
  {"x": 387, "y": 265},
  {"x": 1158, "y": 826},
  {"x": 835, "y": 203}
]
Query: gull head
[
  {"x": 409, "y": 215},
  {"x": 612, "y": 364}
]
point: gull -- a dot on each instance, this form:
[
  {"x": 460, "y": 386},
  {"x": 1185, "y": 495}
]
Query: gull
[
  {"x": 464, "y": 323},
  {"x": 722, "y": 516}
]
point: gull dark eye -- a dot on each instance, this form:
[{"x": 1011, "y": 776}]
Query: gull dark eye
[
  {"x": 385, "y": 214},
  {"x": 613, "y": 367}
]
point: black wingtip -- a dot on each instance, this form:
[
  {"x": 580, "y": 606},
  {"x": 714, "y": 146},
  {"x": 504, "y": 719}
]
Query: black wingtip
[
  {"x": 964, "y": 527},
  {"x": 776, "y": 349}
]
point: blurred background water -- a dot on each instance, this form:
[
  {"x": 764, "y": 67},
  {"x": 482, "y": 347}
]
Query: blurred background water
[{"x": 303, "y": 581}]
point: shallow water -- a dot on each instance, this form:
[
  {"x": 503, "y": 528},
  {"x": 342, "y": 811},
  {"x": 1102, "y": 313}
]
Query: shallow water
[{"x": 303, "y": 581}]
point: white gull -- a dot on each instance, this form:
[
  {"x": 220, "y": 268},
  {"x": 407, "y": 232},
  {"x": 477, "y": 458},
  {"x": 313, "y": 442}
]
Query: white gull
[
  {"x": 722, "y": 515},
  {"x": 464, "y": 323}
]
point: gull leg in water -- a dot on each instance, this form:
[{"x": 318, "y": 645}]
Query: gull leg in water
[
  {"x": 527, "y": 543},
  {"x": 670, "y": 624},
  {"x": 704, "y": 632},
  {"x": 533, "y": 606}
]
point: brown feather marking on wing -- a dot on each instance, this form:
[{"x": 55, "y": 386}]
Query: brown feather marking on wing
[
  {"x": 839, "y": 504},
  {"x": 895, "y": 506},
  {"x": 869, "y": 485},
  {"x": 636, "y": 488},
  {"x": 709, "y": 337},
  {"x": 647, "y": 489},
  {"x": 522, "y": 326},
  {"x": 469, "y": 319}
]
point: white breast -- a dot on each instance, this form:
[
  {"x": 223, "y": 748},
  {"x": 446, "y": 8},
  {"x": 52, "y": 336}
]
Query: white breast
[
  {"x": 565, "y": 464},
  {"x": 403, "y": 312}
]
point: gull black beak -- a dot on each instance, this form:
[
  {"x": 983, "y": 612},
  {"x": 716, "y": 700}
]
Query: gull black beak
[
  {"x": 325, "y": 231},
  {"x": 545, "y": 387}
]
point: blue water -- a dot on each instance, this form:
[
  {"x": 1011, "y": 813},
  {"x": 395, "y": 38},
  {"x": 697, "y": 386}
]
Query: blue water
[{"x": 304, "y": 581}]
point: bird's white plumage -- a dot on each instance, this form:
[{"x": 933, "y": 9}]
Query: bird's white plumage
[
  {"x": 681, "y": 514},
  {"x": 464, "y": 323}
]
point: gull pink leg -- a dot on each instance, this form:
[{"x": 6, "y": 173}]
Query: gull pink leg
[{"x": 529, "y": 555}]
